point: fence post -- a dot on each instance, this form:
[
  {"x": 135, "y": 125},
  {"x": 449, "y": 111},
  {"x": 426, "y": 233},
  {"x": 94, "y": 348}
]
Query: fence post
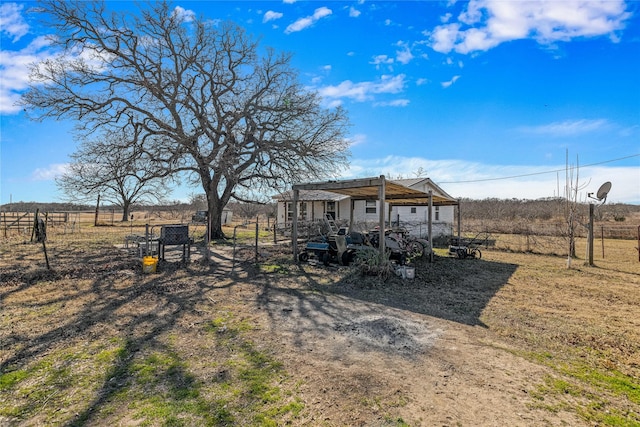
[
  {"x": 95, "y": 221},
  {"x": 257, "y": 231}
]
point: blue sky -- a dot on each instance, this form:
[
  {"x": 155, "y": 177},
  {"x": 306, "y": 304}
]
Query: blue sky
[{"x": 485, "y": 97}]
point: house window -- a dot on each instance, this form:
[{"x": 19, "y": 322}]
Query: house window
[
  {"x": 414, "y": 210},
  {"x": 302, "y": 211},
  {"x": 331, "y": 209},
  {"x": 370, "y": 206},
  {"x": 289, "y": 211},
  {"x": 437, "y": 213}
]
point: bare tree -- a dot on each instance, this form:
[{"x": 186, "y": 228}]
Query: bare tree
[
  {"x": 249, "y": 210},
  {"x": 572, "y": 214},
  {"x": 198, "y": 201},
  {"x": 201, "y": 96},
  {"x": 114, "y": 169}
]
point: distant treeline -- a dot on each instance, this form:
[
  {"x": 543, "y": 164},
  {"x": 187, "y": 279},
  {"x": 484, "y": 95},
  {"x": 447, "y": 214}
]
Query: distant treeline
[
  {"x": 486, "y": 209},
  {"x": 72, "y": 207},
  {"x": 244, "y": 210},
  {"x": 44, "y": 207},
  {"x": 539, "y": 210}
]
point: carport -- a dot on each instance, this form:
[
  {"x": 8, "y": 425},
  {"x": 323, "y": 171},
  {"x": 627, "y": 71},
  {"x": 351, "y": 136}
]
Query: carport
[{"x": 379, "y": 188}]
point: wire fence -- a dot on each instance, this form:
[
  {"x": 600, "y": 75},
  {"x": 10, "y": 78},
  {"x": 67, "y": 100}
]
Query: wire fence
[
  {"x": 250, "y": 235},
  {"x": 548, "y": 238}
]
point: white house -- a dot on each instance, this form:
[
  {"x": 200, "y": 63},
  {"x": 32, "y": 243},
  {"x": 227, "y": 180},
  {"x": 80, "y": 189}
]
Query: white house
[{"x": 314, "y": 205}]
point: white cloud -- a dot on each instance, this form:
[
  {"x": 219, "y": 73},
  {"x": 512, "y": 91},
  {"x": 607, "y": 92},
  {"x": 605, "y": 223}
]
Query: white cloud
[
  {"x": 270, "y": 15},
  {"x": 185, "y": 14},
  {"x": 353, "y": 12},
  {"x": 363, "y": 91},
  {"x": 450, "y": 82},
  {"x": 567, "y": 127},
  {"x": 14, "y": 76},
  {"x": 485, "y": 24},
  {"x": 394, "y": 103},
  {"x": 50, "y": 172},
  {"x": 379, "y": 60},
  {"x": 357, "y": 139},
  {"x": 475, "y": 180},
  {"x": 422, "y": 81},
  {"x": 404, "y": 55},
  {"x": 12, "y": 24},
  {"x": 307, "y": 21},
  {"x": 443, "y": 38}
]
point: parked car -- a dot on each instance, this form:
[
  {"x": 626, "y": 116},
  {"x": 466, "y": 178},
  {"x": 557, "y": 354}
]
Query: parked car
[{"x": 200, "y": 216}]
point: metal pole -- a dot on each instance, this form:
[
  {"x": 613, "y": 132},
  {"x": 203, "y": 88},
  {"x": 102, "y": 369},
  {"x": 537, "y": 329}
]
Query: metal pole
[
  {"x": 352, "y": 204},
  {"x": 429, "y": 226},
  {"x": 146, "y": 240},
  {"x": 459, "y": 223},
  {"x": 257, "y": 231},
  {"x": 590, "y": 242},
  {"x": 294, "y": 231},
  {"x": 381, "y": 196}
]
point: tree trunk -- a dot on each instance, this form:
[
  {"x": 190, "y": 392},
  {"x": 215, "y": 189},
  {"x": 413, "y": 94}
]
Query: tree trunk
[
  {"x": 125, "y": 211},
  {"x": 215, "y": 221}
]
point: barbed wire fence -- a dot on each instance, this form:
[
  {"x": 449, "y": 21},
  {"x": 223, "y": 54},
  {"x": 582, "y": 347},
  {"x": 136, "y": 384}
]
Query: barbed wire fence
[{"x": 251, "y": 235}]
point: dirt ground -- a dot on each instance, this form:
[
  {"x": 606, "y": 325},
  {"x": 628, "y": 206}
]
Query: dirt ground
[
  {"x": 358, "y": 352},
  {"x": 362, "y": 360}
]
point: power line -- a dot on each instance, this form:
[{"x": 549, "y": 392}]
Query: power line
[{"x": 536, "y": 173}]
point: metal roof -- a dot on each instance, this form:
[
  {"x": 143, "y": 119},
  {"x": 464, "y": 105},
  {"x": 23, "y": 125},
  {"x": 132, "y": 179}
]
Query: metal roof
[
  {"x": 369, "y": 189},
  {"x": 310, "y": 195}
]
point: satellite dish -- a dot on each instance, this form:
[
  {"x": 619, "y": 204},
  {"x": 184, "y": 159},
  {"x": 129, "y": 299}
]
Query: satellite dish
[{"x": 603, "y": 191}]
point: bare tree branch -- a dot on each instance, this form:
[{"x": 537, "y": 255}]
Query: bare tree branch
[
  {"x": 116, "y": 170},
  {"x": 201, "y": 98}
]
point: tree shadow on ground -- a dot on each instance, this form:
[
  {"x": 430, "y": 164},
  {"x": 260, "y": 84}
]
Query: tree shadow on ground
[
  {"x": 449, "y": 288},
  {"x": 101, "y": 295},
  {"x": 100, "y": 298}
]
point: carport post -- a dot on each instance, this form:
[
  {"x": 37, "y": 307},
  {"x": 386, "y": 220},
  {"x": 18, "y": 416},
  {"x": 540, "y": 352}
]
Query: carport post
[
  {"x": 381, "y": 196},
  {"x": 429, "y": 227},
  {"x": 352, "y": 203},
  {"x": 294, "y": 228},
  {"x": 459, "y": 224}
]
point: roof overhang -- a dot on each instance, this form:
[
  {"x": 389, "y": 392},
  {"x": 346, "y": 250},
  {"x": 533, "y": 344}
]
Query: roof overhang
[{"x": 370, "y": 189}]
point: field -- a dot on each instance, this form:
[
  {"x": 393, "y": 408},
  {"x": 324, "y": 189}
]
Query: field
[{"x": 511, "y": 339}]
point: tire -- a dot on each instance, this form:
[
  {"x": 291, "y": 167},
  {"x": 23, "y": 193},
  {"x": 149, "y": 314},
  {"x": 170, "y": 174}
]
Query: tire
[
  {"x": 462, "y": 253},
  {"x": 478, "y": 254},
  {"x": 303, "y": 257},
  {"x": 345, "y": 259},
  {"x": 325, "y": 258},
  {"x": 415, "y": 249}
]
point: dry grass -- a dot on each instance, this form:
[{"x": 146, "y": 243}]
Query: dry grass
[
  {"x": 94, "y": 341},
  {"x": 583, "y": 322}
]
